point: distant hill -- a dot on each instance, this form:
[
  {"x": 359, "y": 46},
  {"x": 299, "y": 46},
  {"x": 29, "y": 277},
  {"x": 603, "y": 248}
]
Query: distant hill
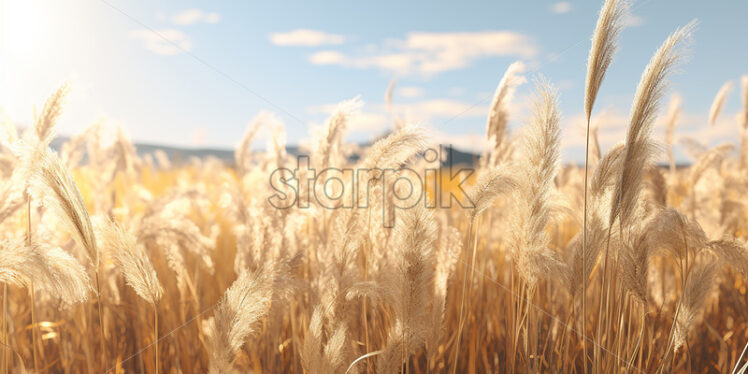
[{"x": 182, "y": 154}]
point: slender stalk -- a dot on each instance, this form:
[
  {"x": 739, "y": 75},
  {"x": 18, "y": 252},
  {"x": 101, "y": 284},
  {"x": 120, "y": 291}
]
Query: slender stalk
[
  {"x": 530, "y": 330},
  {"x": 518, "y": 322},
  {"x": 155, "y": 332},
  {"x": 33, "y": 329},
  {"x": 622, "y": 312},
  {"x": 5, "y": 333},
  {"x": 566, "y": 337},
  {"x": 584, "y": 248},
  {"x": 31, "y": 288},
  {"x": 406, "y": 336},
  {"x": 638, "y": 342},
  {"x": 101, "y": 320},
  {"x": 670, "y": 340},
  {"x": 462, "y": 300},
  {"x": 293, "y": 333},
  {"x": 365, "y": 316},
  {"x": 602, "y": 297},
  {"x": 468, "y": 303},
  {"x": 472, "y": 268}
]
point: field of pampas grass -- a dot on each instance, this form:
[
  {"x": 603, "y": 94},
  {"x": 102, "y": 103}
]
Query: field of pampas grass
[{"x": 113, "y": 262}]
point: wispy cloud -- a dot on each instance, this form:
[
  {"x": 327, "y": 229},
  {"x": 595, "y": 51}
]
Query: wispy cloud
[
  {"x": 632, "y": 20},
  {"x": 328, "y": 58},
  {"x": 429, "y": 53},
  {"x": 165, "y": 42},
  {"x": 372, "y": 119},
  {"x": 192, "y": 16},
  {"x": 470, "y": 142},
  {"x": 306, "y": 38},
  {"x": 439, "y": 109},
  {"x": 409, "y": 91},
  {"x": 561, "y": 7}
]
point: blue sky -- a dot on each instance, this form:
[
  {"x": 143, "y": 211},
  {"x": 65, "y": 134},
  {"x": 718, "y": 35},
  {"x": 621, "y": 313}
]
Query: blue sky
[{"x": 234, "y": 59}]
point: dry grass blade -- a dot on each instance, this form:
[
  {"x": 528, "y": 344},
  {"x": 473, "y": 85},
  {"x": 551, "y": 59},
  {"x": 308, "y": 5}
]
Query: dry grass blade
[
  {"x": 489, "y": 186},
  {"x": 53, "y": 185},
  {"x": 538, "y": 165},
  {"x": 46, "y": 268},
  {"x": 446, "y": 260},
  {"x": 672, "y": 231},
  {"x": 412, "y": 287},
  {"x": 604, "y": 45},
  {"x": 719, "y": 102},
  {"x": 639, "y": 146},
  {"x": 388, "y": 94},
  {"x": 606, "y": 171},
  {"x": 244, "y": 303},
  {"x": 709, "y": 159},
  {"x": 498, "y": 115},
  {"x": 328, "y": 142},
  {"x": 634, "y": 258},
  {"x": 243, "y": 150},
  {"x": 699, "y": 283},
  {"x": 45, "y": 122},
  {"x": 132, "y": 260},
  {"x": 321, "y": 354},
  {"x": 395, "y": 150},
  {"x": 733, "y": 253}
]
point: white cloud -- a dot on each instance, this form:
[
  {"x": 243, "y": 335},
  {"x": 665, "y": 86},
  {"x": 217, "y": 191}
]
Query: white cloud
[
  {"x": 561, "y": 7},
  {"x": 429, "y": 53},
  {"x": 199, "y": 137},
  {"x": 371, "y": 119},
  {"x": 327, "y": 58},
  {"x": 166, "y": 42},
  {"x": 193, "y": 16},
  {"x": 632, "y": 20},
  {"x": 433, "y": 109},
  {"x": 409, "y": 91},
  {"x": 475, "y": 143},
  {"x": 305, "y": 38}
]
